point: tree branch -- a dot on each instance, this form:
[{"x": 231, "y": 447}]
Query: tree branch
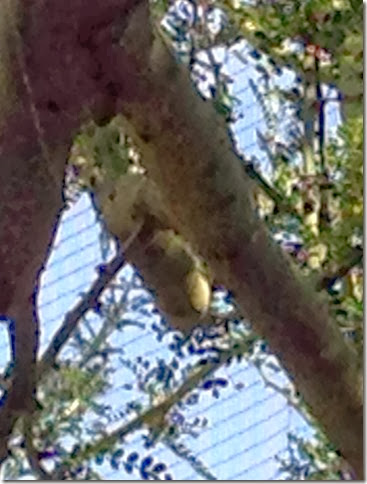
[
  {"x": 154, "y": 417},
  {"x": 34, "y": 145},
  {"x": 19, "y": 399},
  {"x": 90, "y": 300},
  {"x": 195, "y": 156},
  {"x": 355, "y": 257},
  {"x": 281, "y": 204}
]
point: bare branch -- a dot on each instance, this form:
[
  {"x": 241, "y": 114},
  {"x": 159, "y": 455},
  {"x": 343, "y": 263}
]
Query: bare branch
[
  {"x": 281, "y": 203},
  {"x": 106, "y": 274},
  {"x": 353, "y": 259}
]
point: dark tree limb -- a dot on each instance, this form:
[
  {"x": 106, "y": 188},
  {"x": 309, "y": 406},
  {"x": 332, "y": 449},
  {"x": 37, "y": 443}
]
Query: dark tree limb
[
  {"x": 19, "y": 399},
  {"x": 186, "y": 150},
  {"x": 52, "y": 82}
]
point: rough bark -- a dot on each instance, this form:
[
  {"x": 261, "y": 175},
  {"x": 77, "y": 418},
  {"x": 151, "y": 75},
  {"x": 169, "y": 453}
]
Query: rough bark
[
  {"x": 131, "y": 206},
  {"x": 187, "y": 150},
  {"x": 51, "y": 82},
  {"x": 78, "y": 67}
]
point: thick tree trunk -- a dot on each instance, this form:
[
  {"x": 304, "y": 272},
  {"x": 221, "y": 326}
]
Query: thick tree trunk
[
  {"x": 189, "y": 154},
  {"x": 83, "y": 59},
  {"x": 51, "y": 81}
]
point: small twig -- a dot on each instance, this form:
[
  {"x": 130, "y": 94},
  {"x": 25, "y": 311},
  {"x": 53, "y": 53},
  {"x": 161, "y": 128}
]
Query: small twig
[
  {"x": 107, "y": 273},
  {"x": 90, "y": 300},
  {"x": 281, "y": 204},
  {"x": 185, "y": 454},
  {"x": 289, "y": 393},
  {"x": 324, "y": 195},
  {"x": 356, "y": 254},
  {"x": 249, "y": 168},
  {"x": 32, "y": 453},
  {"x": 321, "y": 118},
  {"x": 21, "y": 377},
  {"x": 154, "y": 416},
  {"x": 354, "y": 258}
]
